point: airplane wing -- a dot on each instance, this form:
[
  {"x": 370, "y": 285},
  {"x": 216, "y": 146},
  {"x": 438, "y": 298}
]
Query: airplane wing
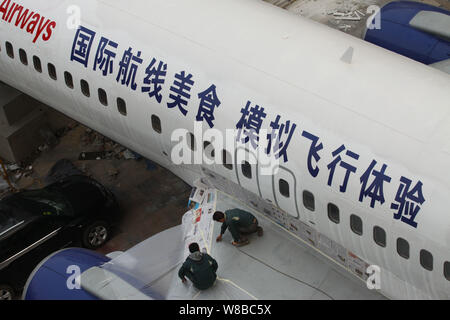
[
  {"x": 442, "y": 65},
  {"x": 275, "y": 266}
]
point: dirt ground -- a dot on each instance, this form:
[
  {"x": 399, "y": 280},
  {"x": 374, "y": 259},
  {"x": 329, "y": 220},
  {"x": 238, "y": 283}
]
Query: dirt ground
[{"x": 151, "y": 198}]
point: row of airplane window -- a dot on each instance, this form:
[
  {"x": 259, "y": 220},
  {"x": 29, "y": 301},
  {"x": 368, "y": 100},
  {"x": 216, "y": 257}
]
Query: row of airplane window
[
  {"x": 84, "y": 85},
  {"x": 356, "y": 223}
]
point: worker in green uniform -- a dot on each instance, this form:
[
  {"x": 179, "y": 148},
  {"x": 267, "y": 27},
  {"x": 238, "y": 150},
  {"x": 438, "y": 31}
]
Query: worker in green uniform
[
  {"x": 199, "y": 267},
  {"x": 240, "y": 223}
]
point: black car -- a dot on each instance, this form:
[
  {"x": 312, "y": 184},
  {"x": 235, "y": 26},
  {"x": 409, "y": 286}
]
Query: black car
[{"x": 76, "y": 211}]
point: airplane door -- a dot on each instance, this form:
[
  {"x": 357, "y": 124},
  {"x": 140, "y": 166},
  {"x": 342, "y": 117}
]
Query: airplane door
[
  {"x": 247, "y": 170},
  {"x": 308, "y": 205},
  {"x": 285, "y": 191},
  {"x": 265, "y": 183}
]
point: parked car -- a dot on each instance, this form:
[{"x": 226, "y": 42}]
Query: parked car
[{"x": 75, "y": 211}]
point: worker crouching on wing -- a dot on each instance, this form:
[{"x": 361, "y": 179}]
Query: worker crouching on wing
[
  {"x": 240, "y": 223},
  {"x": 199, "y": 267}
]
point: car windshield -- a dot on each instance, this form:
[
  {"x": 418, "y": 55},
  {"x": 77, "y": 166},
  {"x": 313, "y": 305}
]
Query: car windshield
[
  {"x": 11, "y": 218},
  {"x": 42, "y": 202},
  {"x": 6, "y": 222}
]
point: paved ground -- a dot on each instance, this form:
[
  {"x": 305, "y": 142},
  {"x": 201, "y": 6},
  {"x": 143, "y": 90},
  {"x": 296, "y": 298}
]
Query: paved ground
[
  {"x": 151, "y": 200},
  {"x": 320, "y": 10}
]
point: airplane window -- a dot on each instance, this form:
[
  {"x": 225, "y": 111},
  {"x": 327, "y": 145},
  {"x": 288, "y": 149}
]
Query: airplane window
[
  {"x": 211, "y": 154},
  {"x": 284, "y": 187},
  {"x": 403, "y": 248},
  {"x": 85, "y": 88},
  {"x": 379, "y": 236},
  {"x": 102, "y": 97},
  {"x": 37, "y": 64},
  {"x": 122, "y": 106},
  {"x": 226, "y": 159},
  {"x": 333, "y": 213},
  {"x": 206, "y": 144},
  {"x": 9, "y": 50},
  {"x": 426, "y": 260},
  {"x": 23, "y": 57},
  {"x": 356, "y": 224},
  {"x": 52, "y": 71},
  {"x": 246, "y": 169},
  {"x": 156, "y": 124},
  {"x": 447, "y": 270},
  {"x": 69, "y": 80},
  {"x": 308, "y": 201},
  {"x": 191, "y": 141}
]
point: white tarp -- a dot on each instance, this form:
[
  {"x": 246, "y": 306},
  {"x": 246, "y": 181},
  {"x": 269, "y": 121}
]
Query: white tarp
[{"x": 275, "y": 266}]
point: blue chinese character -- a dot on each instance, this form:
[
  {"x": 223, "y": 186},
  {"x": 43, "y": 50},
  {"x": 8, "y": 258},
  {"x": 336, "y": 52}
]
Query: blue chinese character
[
  {"x": 375, "y": 190},
  {"x": 313, "y": 152},
  {"x": 408, "y": 210},
  {"x": 180, "y": 91},
  {"x": 208, "y": 101},
  {"x": 105, "y": 56},
  {"x": 280, "y": 147},
  {"x": 82, "y": 46},
  {"x": 128, "y": 68},
  {"x": 250, "y": 124},
  {"x": 337, "y": 159},
  {"x": 155, "y": 79}
]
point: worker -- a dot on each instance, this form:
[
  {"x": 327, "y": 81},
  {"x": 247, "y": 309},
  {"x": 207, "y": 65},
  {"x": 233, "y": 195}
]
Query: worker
[
  {"x": 240, "y": 223},
  {"x": 199, "y": 267}
]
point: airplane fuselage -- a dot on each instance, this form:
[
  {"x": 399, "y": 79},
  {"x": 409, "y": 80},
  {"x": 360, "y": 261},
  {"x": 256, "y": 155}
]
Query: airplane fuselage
[{"x": 364, "y": 143}]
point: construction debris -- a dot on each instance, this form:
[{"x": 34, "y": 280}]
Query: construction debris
[
  {"x": 6, "y": 179},
  {"x": 105, "y": 149},
  {"x": 12, "y": 167},
  {"x": 97, "y": 155},
  {"x": 113, "y": 173},
  {"x": 43, "y": 148},
  {"x": 3, "y": 185},
  {"x": 351, "y": 16},
  {"x": 61, "y": 169},
  {"x": 345, "y": 27},
  {"x": 16, "y": 172},
  {"x": 129, "y": 155}
]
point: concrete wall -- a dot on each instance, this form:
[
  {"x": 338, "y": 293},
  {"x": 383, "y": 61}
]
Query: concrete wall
[
  {"x": 23, "y": 120},
  {"x": 21, "y": 139},
  {"x": 14, "y": 106}
]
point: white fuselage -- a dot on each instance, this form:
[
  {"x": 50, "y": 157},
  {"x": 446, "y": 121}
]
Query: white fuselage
[{"x": 381, "y": 106}]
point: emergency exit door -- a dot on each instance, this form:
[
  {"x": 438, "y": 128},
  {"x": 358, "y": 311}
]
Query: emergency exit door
[
  {"x": 247, "y": 170},
  {"x": 285, "y": 191}
]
